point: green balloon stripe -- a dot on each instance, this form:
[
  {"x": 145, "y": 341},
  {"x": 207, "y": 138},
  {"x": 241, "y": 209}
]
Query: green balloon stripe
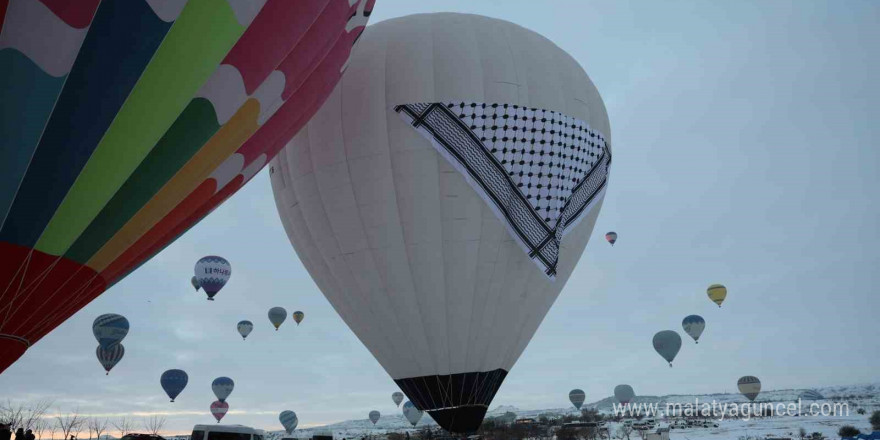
[{"x": 196, "y": 44}]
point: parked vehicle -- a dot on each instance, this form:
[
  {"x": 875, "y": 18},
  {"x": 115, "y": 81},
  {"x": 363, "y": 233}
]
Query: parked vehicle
[
  {"x": 225, "y": 432},
  {"x": 134, "y": 436}
]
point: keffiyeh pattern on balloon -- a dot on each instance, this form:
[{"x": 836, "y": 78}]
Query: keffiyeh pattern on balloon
[{"x": 539, "y": 170}]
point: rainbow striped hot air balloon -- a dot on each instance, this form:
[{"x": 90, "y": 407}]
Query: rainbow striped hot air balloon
[{"x": 124, "y": 122}]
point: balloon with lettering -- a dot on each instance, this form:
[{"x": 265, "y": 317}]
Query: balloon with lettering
[
  {"x": 454, "y": 177},
  {"x": 124, "y": 123},
  {"x": 110, "y": 329},
  {"x": 173, "y": 382},
  {"x": 213, "y": 273},
  {"x": 109, "y": 357}
]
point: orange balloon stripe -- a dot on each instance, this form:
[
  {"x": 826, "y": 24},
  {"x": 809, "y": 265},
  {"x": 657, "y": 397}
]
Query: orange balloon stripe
[{"x": 232, "y": 135}]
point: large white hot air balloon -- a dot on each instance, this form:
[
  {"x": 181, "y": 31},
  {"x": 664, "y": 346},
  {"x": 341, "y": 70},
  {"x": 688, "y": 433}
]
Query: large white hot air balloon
[{"x": 442, "y": 196}]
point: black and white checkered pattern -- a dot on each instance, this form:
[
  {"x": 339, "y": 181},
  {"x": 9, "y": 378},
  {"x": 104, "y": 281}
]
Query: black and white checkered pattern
[{"x": 539, "y": 169}]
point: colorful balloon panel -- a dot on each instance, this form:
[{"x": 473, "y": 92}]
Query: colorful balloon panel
[{"x": 125, "y": 122}]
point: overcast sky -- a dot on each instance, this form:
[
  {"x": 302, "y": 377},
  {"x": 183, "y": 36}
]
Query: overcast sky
[{"x": 746, "y": 140}]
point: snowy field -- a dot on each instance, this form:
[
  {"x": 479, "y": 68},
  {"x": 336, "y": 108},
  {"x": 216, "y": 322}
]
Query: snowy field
[{"x": 866, "y": 397}]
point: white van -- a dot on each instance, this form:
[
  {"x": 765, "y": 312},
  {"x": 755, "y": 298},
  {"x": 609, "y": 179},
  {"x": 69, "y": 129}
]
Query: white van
[{"x": 226, "y": 432}]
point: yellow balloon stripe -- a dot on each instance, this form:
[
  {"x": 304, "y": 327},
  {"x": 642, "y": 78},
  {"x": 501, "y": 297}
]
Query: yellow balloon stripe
[{"x": 225, "y": 142}]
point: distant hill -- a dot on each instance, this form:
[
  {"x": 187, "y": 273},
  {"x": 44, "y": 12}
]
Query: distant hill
[{"x": 396, "y": 422}]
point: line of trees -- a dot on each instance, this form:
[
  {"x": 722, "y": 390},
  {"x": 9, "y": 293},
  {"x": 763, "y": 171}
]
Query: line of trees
[{"x": 35, "y": 416}]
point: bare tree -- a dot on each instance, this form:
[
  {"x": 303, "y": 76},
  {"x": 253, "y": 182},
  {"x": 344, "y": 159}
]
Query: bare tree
[
  {"x": 98, "y": 426},
  {"x": 41, "y": 426},
  {"x": 70, "y": 424},
  {"x": 124, "y": 426},
  {"x": 154, "y": 424},
  {"x": 623, "y": 431},
  {"x": 12, "y": 414},
  {"x": 34, "y": 413}
]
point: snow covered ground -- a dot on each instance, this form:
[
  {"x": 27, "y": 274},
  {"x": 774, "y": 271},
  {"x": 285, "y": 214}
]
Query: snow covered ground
[{"x": 855, "y": 397}]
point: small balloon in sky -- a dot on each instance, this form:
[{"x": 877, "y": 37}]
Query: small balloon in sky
[
  {"x": 173, "y": 382},
  {"x": 667, "y": 343},
  {"x": 611, "y": 237},
  {"x": 212, "y": 273},
  {"x": 277, "y": 315}
]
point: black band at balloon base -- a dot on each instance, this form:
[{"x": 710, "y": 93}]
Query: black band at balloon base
[
  {"x": 457, "y": 402},
  {"x": 460, "y": 420}
]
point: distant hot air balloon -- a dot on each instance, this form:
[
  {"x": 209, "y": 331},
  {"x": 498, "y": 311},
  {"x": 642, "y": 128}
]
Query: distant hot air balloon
[
  {"x": 222, "y": 387},
  {"x": 298, "y": 316},
  {"x": 717, "y": 293},
  {"x": 110, "y": 329},
  {"x": 195, "y": 283},
  {"x": 244, "y": 328},
  {"x": 173, "y": 382},
  {"x": 749, "y": 386},
  {"x": 219, "y": 409},
  {"x": 374, "y": 416},
  {"x": 288, "y": 420},
  {"x": 667, "y": 343},
  {"x": 397, "y": 397},
  {"x": 624, "y": 394},
  {"x": 213, "y": 273},
  {"x": 277, "y": 315},
  {"x": 123, "y": 124},
  {"x": 451, "y": 160},
  {"x": 577, "y": 397},
  {"x": 693, "y": 325},
  {"x": 611, "y": 237},
  {"x": 412, "y": 413},
  {"x": 109, "y": 357}
]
